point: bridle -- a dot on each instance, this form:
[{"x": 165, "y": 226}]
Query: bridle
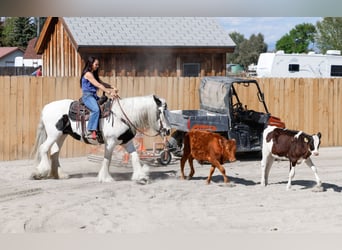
[{"x": 161, "y": 127}]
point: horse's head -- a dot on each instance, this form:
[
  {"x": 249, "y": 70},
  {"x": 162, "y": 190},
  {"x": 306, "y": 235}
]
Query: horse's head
[{"x": 163, "y": 123}]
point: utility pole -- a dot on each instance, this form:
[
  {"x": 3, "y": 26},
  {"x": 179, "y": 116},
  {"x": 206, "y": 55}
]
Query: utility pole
[{"x": 38, "y": 26}]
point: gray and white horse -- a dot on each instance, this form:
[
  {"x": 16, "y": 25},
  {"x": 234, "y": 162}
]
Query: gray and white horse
[{"x": 128, "y": 116}]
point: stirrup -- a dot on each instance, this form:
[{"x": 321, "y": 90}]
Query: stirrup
[{"x": 91, "y": 134}]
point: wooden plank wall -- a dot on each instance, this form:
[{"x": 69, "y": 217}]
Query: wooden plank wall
[
  {"x": 60, "y": 57},
  {"x": 310, "y": 105}
]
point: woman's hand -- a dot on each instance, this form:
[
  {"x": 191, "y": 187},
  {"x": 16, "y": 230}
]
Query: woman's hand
[{"x": 113, "y": 92}]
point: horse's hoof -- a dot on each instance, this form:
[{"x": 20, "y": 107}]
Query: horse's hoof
[
  {"x": 36, "y": 176},
  {"x": 143, "y": 181},
  {"x": 62, "y": 175},
  {"x": 106, "y": 180},
  {"x": 53, "y": 177},
  {"x": 33, "y": 177}
]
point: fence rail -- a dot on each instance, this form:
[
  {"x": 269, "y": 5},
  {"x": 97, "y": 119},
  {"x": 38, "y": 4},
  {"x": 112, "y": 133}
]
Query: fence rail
[
  {"x": 16, "y": 71},
  {"x": 310, "y": 105}
]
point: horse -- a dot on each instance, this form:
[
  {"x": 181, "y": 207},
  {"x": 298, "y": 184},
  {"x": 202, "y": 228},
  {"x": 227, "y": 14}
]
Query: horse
[{"x": 128, "y": 116}]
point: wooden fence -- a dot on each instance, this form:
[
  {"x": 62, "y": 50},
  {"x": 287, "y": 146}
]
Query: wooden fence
[
  {"x": 16, "y": 71},
  {"x": 310, "y": 105}
]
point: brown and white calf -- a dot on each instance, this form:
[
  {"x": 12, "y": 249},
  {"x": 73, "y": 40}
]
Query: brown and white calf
[
  {"x": 210, "y": 147},
  {"x": 296, "y": 146}
]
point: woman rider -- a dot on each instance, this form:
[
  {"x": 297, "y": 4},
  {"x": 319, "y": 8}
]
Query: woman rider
[{"x": 90, "y": 83}]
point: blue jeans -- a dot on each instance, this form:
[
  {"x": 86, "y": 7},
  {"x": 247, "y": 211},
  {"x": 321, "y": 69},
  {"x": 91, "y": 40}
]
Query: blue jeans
[{"x": 90, "y": 100}]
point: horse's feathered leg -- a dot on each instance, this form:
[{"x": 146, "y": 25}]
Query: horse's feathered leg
[
  {"x": 49, "y": 138},
  {"x": 103, "y": 175},
  {"x": 140, "y": 173},
  {"x": 56, "y": 171},
  {"x": 44, "y": 166}
]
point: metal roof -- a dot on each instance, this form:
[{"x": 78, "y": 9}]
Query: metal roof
[
  {"x": 30, "y": 53},
  {"x": 148, "y": 31},
  {"x": 5, "y": 51}
]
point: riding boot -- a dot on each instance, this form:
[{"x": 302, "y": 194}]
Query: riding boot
[{"x": 92, "y": 135}]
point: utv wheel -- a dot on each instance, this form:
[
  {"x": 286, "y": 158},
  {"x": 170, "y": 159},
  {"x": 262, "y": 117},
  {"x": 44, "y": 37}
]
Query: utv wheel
[{"x": 165, "y": 158}]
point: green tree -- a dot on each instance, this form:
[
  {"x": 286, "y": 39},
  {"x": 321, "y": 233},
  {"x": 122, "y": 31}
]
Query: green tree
[
  {"x": 329, "y": 34},
  {"x": 298, "y": 39},
  {"x": 238, "y": 39},
  {"x": 1, "y": 33},
  {"x": 8, "y": 31},
  {"x": 256, "y": 46},
  {"x": 247, "y": 51},
  {"x": 18, "y": 31}
]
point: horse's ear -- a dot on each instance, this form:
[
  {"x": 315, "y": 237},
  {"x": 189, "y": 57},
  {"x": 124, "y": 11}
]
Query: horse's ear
[{"x": 157, "y": 100}]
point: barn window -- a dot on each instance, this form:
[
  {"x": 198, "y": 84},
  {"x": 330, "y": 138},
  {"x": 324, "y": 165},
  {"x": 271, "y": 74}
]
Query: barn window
[
  {"x": 336, "y": 70},
  {"x": 191, "y": 69},
  {"x": 294, "y": 67}
]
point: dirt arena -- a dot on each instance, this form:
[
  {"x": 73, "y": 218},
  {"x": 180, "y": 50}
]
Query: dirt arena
[{"x": 168, "y": 204}]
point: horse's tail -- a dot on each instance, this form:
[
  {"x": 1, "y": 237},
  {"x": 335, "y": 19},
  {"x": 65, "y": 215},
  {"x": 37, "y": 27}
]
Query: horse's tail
[{"x": 40, "y": 138}]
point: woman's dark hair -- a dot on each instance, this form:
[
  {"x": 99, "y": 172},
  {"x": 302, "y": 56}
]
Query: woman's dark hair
[{"x": 88, "y": 67}]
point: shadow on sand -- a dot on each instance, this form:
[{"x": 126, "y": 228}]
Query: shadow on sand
[
  {"x": 219, "y": 179},
  {"x": 126, "y": 176},
  {"x": 306, "y": 184}
]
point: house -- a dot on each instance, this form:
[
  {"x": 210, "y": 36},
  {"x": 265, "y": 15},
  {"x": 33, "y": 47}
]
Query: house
[
  {"x": 30, "y": 57},
  {"x": 135, "y": 46},
  {"x": 280, "y": 64},
  {"x": 8, "y": 55}
]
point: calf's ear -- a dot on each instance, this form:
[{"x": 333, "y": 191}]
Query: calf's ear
[{"x": 319, "y": 135}]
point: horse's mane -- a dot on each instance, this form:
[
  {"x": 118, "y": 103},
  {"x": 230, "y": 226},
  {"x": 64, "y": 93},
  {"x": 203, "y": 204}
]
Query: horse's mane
[{"x": 140, "y": 110}]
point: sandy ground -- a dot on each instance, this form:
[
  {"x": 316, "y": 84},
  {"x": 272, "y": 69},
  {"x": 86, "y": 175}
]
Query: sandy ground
[{"x": 168, "y": 204}]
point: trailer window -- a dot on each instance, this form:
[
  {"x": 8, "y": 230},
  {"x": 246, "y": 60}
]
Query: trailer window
[
  {"x": 336, "y": 70},
  {"x": 294, "y": 67},
  {"x": 191, "y": 69}
]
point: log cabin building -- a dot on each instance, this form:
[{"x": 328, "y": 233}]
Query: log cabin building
[{"x": 135, "y": 46}]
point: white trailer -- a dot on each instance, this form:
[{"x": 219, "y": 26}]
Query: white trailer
[{"x": 314, "y": 65}]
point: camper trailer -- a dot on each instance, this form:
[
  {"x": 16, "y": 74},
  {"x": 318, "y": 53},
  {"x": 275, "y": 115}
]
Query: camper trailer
[{"x": 280, "y": 64}]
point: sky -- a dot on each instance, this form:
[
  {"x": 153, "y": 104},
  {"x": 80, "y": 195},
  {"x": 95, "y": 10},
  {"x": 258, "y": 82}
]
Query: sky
[{"x": 273, "y": 28}]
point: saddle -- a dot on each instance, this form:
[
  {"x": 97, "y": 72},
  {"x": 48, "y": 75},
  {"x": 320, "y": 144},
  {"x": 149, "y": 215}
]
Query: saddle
[{"x": 80, "y": 113}]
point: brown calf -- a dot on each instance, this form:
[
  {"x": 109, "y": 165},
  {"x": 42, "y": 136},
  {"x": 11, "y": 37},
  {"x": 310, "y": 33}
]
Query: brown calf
[{"x": 210, "y": 147}]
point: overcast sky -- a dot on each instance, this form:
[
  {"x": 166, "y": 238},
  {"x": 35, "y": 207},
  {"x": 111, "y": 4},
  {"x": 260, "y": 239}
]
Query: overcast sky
[{"x": 273, "y": 28}]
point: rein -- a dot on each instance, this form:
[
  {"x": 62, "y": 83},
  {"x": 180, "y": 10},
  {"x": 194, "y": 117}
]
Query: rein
[{"x": 130, "y": 122}]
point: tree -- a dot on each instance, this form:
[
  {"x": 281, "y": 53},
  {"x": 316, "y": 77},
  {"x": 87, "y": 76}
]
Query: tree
[
  {"x": 252, "y": 49},
  {"x": 7, "y": 32},
  {"x": 238, "y": 39},
  {"x": 247, "y": 51},
  {"x": 329, "y": 34},
  {"x": 18, "y": 31},
  {"x": 298, "y": 39},
  {"x": 1, "y": 33}
]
